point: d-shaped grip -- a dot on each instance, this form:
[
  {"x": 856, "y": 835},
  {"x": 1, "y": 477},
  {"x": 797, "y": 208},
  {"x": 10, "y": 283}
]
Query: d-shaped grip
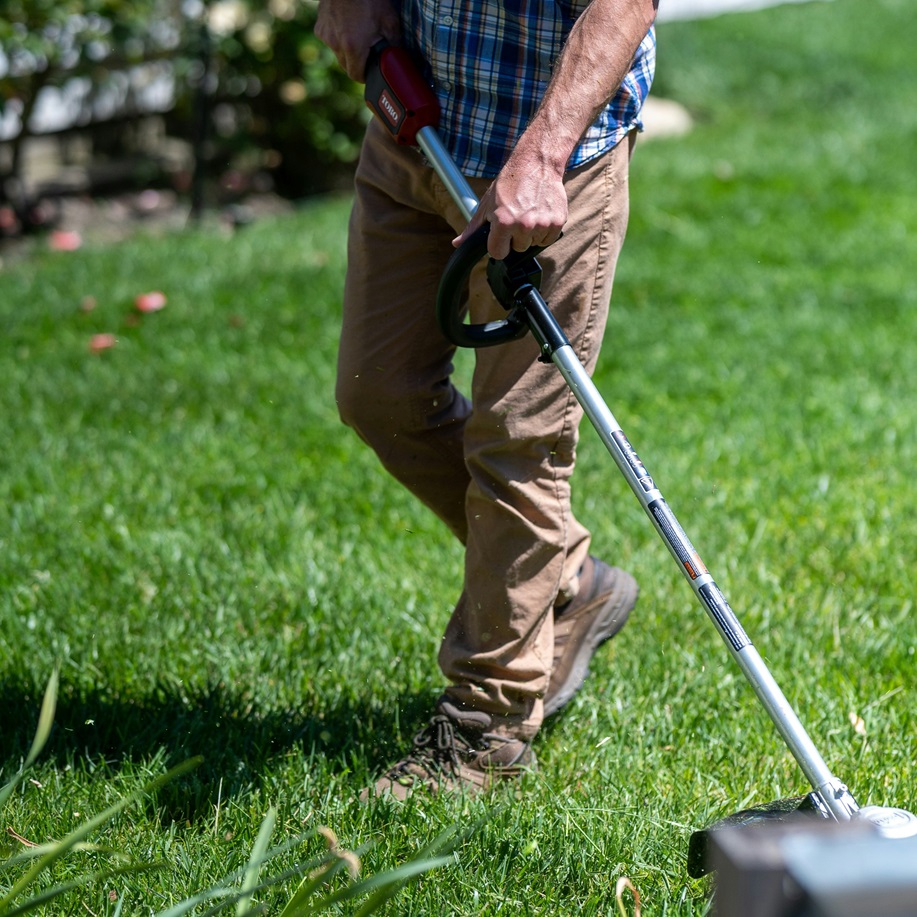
[{"x": 450, "y": 300}]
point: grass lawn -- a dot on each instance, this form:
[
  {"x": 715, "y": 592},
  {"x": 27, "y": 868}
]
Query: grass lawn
[{"x": 219, "y": 568}]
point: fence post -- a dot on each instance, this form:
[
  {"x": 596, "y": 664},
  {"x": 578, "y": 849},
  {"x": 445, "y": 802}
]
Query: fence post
[{"x": 200, "y": 136}]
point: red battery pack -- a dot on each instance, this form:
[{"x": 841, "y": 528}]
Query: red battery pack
[{"x": 398, "y": 94}]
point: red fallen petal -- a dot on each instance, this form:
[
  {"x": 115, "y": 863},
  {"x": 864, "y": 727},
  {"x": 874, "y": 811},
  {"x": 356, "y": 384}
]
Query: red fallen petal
[
  {"x": 150, "y": 302},
  {"x": 100, "y": 342},
  {"x": 65, "y": 240}
]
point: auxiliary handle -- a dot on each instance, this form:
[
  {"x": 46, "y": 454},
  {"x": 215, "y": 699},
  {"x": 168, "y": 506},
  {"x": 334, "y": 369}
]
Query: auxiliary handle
[{"x": 450, "y": 298}]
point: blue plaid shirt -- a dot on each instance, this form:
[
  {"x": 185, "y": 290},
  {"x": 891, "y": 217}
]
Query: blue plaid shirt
[{"x": 490, "y": 62}]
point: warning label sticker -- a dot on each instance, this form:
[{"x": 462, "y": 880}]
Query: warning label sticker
[
  {"x": 724, "y": 616},
  {"x": 633, "y": 461},
  {"x": 675, "y": 536}
]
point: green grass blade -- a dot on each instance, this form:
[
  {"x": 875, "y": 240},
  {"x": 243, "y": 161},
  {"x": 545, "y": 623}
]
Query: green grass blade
[
  {"x": 389, "y": 884},
  {"x": 391, "y": 880},
  {"x": 310, "y": 885},
  {"x": 380, "y": 887},
  {"x": 447, "y": 840},
  {"x": 42, "y": 899},
  {"x": 225, "y": 887},
  {"x": 253, "y": 871},
  {"x": 84, "y": 830},
  {"x": 49, "y": 894},
  {"x": 33, "y": 853},
  {"x": 218, "y": 891},
  {"x": 45, "y": 720},
  {"x": 42, "y": 732},
  {"x": 231, "y": 895}
]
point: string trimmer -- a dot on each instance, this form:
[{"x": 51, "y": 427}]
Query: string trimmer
[{"x": 404, "y": 102}]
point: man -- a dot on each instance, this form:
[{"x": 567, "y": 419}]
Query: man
[{"x": 540, "y": 105}]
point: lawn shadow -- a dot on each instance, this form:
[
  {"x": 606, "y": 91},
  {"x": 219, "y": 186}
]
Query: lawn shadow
[{"x": 236, "y": 739}]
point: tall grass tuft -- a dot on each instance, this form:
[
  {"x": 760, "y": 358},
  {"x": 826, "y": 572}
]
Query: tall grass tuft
[{"x": 314, "y": 895}]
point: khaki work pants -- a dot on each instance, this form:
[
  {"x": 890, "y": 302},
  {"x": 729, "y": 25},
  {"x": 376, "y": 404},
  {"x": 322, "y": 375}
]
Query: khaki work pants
[{"x": 496, "y": 467}]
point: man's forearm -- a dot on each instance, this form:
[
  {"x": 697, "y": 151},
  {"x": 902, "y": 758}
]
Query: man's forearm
[
  {"x": 596, "y": 57},
  {"x": 527, "y": 203}
]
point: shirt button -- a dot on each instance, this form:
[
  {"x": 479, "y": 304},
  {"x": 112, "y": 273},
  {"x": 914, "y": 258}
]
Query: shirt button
[{"x": 448, "y": 20}]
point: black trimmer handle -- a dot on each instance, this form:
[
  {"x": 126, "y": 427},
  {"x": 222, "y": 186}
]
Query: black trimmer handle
[{"x": 507, "y": 279}]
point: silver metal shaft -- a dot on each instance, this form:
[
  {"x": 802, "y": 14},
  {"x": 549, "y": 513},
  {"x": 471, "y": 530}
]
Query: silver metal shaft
[
  {"x": 833, "y": 793},
  {"x": 444, "y": 166}
]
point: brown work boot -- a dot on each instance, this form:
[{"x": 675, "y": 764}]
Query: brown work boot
[
  {"x": 598, "y": 611},
  {"x": 455, "y": 752}
]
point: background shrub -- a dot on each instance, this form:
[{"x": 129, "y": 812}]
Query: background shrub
[{"x": 253, "y": 89}]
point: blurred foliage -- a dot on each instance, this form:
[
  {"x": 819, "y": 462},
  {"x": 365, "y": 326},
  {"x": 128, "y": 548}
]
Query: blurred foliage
[
  {"x": 254, "y": 88},
  {"x": 48, "y": 39},
  {"x": 48, "y": 42},
  {"x": 296, "y": 106}
]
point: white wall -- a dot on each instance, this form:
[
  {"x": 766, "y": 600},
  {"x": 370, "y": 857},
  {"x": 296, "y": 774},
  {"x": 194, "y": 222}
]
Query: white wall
[{"x": 697, "y": 9}]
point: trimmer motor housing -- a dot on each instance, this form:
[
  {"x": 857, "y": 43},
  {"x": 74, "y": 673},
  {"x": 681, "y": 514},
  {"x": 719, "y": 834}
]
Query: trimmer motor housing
[{"x": 398, "y": 94}]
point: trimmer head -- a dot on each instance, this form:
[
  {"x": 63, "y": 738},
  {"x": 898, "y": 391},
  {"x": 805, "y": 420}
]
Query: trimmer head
[
  {"x": 780, "y": 810},
  {"x": 886, "y": 821}
]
